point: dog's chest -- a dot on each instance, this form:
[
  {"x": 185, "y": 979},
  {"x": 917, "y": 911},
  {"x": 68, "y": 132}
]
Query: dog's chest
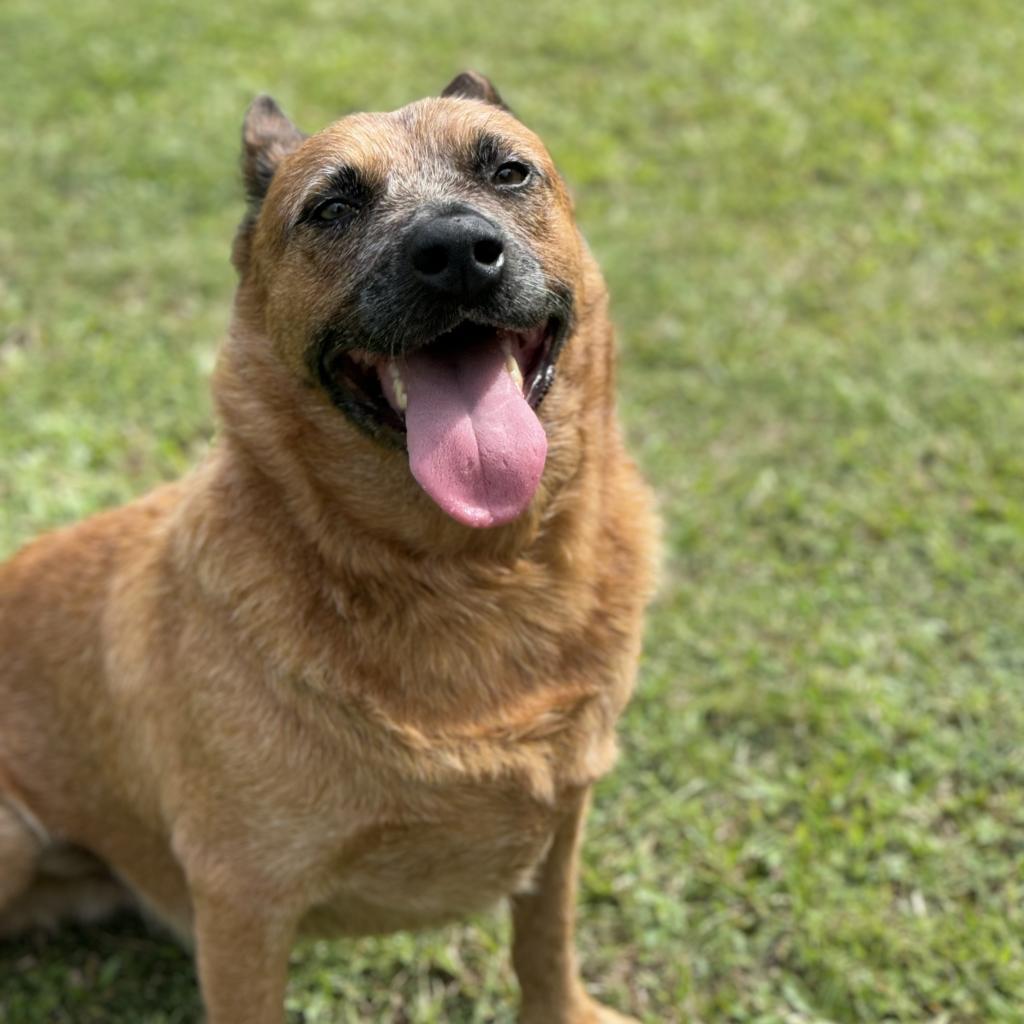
[
  {"x": 447, "y": 851},
  {"x": 452, "y": 829},
  {"x": 457, "y": 810}
]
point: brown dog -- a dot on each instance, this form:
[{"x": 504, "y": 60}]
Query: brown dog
[{"x": 305, "y": 690}]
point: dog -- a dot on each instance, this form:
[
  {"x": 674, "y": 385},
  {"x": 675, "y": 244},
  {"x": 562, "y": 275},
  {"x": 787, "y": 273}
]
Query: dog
[{"x": 360, "y": 669}]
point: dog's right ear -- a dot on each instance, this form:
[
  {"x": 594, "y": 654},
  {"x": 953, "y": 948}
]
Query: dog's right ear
[{"x": 268, "y": 136}]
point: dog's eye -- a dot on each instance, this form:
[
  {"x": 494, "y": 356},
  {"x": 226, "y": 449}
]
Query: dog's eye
[
  {"x": 511, "y": 174},
  {"x": 334, "y": 209}
]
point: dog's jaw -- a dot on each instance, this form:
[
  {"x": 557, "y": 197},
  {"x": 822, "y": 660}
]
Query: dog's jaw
[{"x": 474, "y": 441}]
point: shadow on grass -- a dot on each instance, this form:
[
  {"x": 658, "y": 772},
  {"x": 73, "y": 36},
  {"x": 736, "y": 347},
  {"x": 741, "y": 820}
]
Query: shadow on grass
[{"x": 119, "y": 972}]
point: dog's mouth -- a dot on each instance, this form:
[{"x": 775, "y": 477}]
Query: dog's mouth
[{"x": 464, "y": 406}]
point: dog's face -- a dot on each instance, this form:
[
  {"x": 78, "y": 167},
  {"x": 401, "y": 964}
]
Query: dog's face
[{"x": 423, "y": 268}]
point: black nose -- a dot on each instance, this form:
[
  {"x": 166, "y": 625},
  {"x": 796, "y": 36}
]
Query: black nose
[{"x": 458, "y": 254}]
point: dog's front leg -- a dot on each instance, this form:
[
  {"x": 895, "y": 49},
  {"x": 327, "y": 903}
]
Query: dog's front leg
[
  {"x": 543, "y": 948},
  {"x": 242, "y": 958}
]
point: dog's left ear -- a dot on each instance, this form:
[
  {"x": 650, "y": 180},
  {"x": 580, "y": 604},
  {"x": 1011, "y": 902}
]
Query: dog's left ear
[
  {"x": 471, "y": 85},
  {"x": 268, "y": 136}
]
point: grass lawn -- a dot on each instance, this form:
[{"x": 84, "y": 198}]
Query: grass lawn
[{"x": 809, "y": 212}]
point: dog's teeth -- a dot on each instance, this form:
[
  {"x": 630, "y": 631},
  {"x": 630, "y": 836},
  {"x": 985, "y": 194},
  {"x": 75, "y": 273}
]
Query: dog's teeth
[
  {"x": 511, "y": 363},
  {"x": 401, "y": 399}
]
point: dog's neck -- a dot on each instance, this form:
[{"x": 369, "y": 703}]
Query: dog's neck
[{"x": 335, "y": 520}]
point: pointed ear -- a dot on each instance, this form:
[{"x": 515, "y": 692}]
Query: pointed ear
[
  {"x": 471, "y": 85},
  {"x": 267, "y": 138}
]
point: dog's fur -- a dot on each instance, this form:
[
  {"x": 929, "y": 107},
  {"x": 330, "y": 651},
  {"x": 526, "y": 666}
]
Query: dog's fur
[{"x": 287, "y": 694}]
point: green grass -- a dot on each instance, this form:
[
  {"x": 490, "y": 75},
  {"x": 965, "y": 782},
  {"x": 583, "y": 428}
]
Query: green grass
[{"x": 809, "y": 214}]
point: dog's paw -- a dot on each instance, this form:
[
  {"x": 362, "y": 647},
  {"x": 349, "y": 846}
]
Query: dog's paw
[
  {"x": 606, "y": 1015},
  {"x": 590, "y": 1013}
]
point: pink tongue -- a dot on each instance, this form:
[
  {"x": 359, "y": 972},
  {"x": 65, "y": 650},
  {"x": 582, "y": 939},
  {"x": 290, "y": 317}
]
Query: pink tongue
[{"x": 475, "y": 445}]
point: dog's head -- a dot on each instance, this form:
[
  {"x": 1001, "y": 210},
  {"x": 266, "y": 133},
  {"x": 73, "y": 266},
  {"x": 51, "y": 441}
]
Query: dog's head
[{"x": 422, "y": 269}]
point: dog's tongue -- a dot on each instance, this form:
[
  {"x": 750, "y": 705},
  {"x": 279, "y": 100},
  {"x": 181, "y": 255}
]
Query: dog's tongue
[{"x": 475, "y": 445}]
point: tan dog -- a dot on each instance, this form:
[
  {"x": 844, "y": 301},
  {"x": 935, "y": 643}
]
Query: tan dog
[{"x": 360, "y": 669}]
